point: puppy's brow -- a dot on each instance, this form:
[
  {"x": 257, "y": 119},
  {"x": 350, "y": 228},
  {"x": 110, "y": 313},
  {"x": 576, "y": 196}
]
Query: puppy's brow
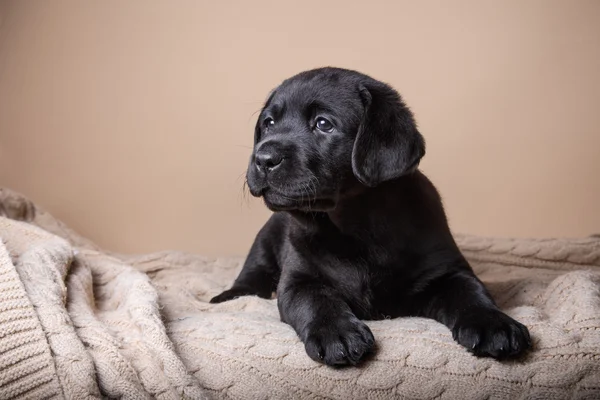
[
  {"x": 317, "y": 105},
  {"x": 277, "y": 109}
]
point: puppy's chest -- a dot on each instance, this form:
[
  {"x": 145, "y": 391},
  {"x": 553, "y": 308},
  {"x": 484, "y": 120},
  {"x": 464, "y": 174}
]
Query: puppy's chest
[
  {"x": 373, "y": 283},
  {"x": 351, "y": 279}
]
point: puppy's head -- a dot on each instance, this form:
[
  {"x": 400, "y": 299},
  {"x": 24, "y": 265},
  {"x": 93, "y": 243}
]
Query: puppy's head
[{"x": 327, "y": 133}]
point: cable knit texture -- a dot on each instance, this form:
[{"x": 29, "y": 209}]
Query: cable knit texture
[{"x": 77, "y": 322}]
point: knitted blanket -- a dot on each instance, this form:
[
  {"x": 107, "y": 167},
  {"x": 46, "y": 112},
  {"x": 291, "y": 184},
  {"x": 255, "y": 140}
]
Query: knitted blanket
[{"x": 77, "y": 322}]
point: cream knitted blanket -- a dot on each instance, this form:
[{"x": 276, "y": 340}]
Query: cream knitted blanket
[{"x": 77, "y": 322}]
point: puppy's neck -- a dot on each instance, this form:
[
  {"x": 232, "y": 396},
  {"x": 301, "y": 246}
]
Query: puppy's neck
[
  {"x": 367, "y": 211},
  {"x": 359, "y": 214}
]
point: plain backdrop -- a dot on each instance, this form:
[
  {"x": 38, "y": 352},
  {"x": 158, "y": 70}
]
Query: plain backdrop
[{"x": 132, "y": 120}]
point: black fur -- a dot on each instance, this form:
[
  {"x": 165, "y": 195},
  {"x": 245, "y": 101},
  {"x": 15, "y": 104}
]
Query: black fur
[{"x": 358, "y": 231}]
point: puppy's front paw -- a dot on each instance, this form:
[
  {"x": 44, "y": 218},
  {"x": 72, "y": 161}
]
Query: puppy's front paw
[
  {"x": 491, "y": 333},
  {"x": 231, "y": 294},
  {"x": 342, "y": 341}
]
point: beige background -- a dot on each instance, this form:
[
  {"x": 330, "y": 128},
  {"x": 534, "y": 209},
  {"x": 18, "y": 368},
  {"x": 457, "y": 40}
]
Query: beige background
[{"x": 132, "y": 120}]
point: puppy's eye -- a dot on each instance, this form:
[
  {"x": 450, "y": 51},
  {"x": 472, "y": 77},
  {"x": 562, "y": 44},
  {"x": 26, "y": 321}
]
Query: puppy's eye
[
  {"x": 324, "y": 125},
  {"x": 269, "y": 122}
]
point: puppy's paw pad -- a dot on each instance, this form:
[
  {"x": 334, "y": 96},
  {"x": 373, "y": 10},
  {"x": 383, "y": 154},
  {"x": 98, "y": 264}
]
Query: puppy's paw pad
[
  {"x": 339, "y": 343},
  {"x": 491, "y": 333}
]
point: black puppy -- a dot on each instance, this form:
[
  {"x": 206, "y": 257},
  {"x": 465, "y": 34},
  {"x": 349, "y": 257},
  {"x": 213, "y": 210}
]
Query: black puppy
[{"x": 358, "y": 232}]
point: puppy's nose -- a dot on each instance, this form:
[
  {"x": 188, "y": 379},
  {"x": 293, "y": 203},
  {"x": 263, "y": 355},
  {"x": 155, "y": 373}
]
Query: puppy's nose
[{"x": 267, "y": 161}]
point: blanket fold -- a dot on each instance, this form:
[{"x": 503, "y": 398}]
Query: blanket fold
[{"x": 77, "y": 322}]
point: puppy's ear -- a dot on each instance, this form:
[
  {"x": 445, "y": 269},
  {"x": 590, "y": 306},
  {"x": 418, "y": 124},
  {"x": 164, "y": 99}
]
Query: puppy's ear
[{"x": 388, "y": 144}]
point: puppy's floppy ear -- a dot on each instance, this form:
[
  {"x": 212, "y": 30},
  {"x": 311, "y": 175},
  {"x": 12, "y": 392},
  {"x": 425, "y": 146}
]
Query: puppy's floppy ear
[{"x": 388, "y": 144}]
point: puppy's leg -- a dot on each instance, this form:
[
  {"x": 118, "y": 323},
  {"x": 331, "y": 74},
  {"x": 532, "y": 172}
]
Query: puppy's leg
[
  {"x": 460, "y": 301},
  {"x": 331, "y": 333},
  {"x": 260, "y": 273}
]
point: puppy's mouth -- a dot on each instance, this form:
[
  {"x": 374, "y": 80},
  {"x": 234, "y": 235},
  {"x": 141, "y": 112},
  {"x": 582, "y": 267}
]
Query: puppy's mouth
[
  {"x": 276, "y": 200},
  {"x": 302, "y": 196}
]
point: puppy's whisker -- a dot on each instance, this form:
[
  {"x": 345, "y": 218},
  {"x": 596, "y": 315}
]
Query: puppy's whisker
[
  {"x": 244, "y": 191},
  {"x": 244, "y": 194},
  {"x": 304, "y": 187},
  {"x": 254, "y": 114},
  {"x": 240, "y": 176},
  {"x": 314, "y": 181},
  {"x": 312, "y": 186}
]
